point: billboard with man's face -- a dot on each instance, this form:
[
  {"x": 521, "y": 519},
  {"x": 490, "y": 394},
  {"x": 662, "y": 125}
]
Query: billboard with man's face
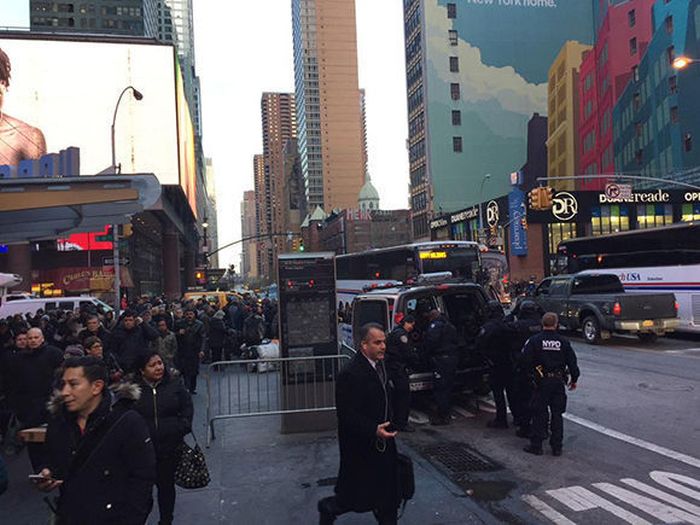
[{"x": 64, "y": 92}]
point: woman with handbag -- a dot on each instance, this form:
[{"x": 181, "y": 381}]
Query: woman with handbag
[{"x": 166, "y": 406}]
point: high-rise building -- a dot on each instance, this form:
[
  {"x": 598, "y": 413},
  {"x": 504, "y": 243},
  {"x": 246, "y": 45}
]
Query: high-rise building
[
  {"x": 363, "y": 114},
  {"x": 656, "y": 124},
  {"x": 328, "y": 101},
  {"x": 278, "y": 128},
  {"x": 562, "y": 98},
  {"x": 624, "y": 32},
  {"x": 249, "y": 262},
  {"x": 263, "y": 215},
  {"x": 114, "y": 17},
  {"x": 475, "y": 75},
  {"x": 212, "y": 237}
]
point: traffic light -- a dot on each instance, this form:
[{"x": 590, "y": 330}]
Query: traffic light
[
  {"x": 534, "y": 199},
  {"x": 200, "y": 277},
  {"x": 546, "y": 197},
  {"x": 523, "y": 221},
  {"x": 301, "y": 245},
  {"x": 127, "y": 230}
]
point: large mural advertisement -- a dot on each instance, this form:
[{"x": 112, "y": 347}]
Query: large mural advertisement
[{"x": 489, "y": 61}]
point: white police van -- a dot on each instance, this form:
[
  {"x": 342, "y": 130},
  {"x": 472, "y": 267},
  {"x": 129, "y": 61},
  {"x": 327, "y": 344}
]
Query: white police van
[{"x": 464, "y": 304}]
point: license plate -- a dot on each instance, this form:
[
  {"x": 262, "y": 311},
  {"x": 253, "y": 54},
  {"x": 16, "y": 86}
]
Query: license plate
[{"x": 647, "y": 323}]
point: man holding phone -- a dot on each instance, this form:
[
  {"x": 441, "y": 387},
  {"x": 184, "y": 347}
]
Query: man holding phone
[
  {"x": 100, "y": 453},
  {"x": 367, "y": 480}
]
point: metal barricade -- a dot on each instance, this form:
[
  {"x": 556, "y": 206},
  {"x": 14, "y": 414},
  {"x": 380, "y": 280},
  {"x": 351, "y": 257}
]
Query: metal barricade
[{"x": 267, "y": 387}]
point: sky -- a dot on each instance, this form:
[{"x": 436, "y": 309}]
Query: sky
[{"x": 244, "y": 52}]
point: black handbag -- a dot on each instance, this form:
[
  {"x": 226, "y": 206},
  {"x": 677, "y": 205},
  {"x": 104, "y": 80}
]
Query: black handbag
[
  {"x": 191, "y": 471},
  {"x": 406, "y": 480}
]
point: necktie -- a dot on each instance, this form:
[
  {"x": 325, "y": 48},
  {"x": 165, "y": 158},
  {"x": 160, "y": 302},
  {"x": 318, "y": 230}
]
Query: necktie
[{"x": 381, "y": 372}]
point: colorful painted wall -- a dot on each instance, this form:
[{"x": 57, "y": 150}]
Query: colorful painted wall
[{"x": 500, "y": 60}]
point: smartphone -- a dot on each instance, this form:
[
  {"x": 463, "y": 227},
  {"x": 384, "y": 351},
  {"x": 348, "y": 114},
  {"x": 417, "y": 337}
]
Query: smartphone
[{"x": 37, "y": 477}]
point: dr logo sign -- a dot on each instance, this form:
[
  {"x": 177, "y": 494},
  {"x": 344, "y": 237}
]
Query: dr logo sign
[{"x": 564, "y": 206}]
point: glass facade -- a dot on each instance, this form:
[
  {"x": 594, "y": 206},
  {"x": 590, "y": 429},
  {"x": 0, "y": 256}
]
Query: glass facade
[
  {"x": 609, "y": 219},
  {"x": 558, "y": 232},
  {"x": 653, "y": 215},
  {"x": 690, "y": 212}
]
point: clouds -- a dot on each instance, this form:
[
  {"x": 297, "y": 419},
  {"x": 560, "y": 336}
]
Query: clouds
[{"x": 480, "y": 82}]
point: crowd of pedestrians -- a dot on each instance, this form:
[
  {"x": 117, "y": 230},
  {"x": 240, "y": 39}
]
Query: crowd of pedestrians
[{"x": 115, "y": 397}]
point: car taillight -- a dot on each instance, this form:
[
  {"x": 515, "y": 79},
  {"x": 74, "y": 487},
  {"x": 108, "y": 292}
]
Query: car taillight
[
  {"x": 617, "y": 309},
  {"x": 677, "y": 306}
]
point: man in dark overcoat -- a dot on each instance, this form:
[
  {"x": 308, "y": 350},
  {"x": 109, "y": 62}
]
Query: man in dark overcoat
[{"x": 367, "y": 479}]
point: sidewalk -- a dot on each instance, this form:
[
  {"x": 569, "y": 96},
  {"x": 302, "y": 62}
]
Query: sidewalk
[{"x": 262, "y": 477}]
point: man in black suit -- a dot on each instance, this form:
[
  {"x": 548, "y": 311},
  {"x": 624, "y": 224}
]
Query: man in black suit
[{"x": 367, "y": 479}]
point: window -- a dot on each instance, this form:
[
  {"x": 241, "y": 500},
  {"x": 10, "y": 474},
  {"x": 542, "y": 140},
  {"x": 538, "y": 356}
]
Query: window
[
  {"x": 635, "y": 73},
  {"x": 688, "y": 142},
  {"x": 454, "y": 91},
  {"x": 670, "y": 54},
  {"x": 633, "y": 46},
  {"x": 559, "y": 287},
  {"x": 457, "y": 144},
  {"x": 668, "y": 23},
  {"x": 674, "y": 115},
  {"x": 451, "y": 10},
  {"x": 632, "y": 18},
  {"x": 453, "y": 37},
  {"x": 454, "y": 64},
  {"x": 673, "y": 85},
  {"x": 456, "y": 117}
]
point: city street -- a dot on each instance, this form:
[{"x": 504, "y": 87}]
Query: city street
[
  {"x": 631, "y": 431},
  {"x": 631, "y": 424}
]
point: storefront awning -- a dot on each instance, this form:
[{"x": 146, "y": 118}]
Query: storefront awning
[{"x": 37, "y": 209}]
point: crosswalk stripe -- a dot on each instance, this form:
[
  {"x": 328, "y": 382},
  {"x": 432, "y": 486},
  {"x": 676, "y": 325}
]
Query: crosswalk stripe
[
  {"x": 652, "y": 507},
  {"x": 580, "y": 498},
  {"x": 663, "y": 496},
  {"x": 540, "y": 506}
]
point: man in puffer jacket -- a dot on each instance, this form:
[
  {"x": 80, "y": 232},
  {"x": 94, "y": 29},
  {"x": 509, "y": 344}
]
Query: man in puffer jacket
[{"x": 100, "y": 454}]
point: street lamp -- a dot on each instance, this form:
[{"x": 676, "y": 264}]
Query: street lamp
[
  {"x": 481, "y": 198},
  {"x": 115, "y": 227},
  {"x": 682, "y": 62}
]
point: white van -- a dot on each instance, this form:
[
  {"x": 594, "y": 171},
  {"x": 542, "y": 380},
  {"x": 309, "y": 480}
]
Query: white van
[{"x": 24, "y": 306}]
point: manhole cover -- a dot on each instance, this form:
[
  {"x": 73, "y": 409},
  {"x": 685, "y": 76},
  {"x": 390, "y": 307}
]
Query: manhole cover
[{"x": 460, "y": 459}]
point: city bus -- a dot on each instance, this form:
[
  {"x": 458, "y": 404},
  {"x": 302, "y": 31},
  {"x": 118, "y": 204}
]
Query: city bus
[{"x": 655, "y": 259}]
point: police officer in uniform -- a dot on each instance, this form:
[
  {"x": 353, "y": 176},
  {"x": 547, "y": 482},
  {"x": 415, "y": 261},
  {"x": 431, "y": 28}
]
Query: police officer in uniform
[
  {"x": 399, "y": 357},
  {"x": 441, "y": 345},
  {"x": 527, "y": 324},
  {"x": 494, "y": 342},
  {"x": 549, "y": 357}
]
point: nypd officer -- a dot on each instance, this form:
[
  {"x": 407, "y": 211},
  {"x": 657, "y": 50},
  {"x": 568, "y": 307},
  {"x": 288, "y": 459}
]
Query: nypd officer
[
  {"x": 549, "y": 357},
  {"x": 399, "y": 357},
  {"x": 494, "y": 342},
  {"x": 441, "y": 345},
  {"x": 527, "y": 322}
]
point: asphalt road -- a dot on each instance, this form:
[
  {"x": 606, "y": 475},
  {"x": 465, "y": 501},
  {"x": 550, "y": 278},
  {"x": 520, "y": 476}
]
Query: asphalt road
[{"x": 631, "y": 445}]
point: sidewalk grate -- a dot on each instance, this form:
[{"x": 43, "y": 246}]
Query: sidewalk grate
[{"x": 460, "y": 458}]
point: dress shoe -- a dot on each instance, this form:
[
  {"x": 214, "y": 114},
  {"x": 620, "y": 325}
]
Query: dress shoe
[{"x": 532, "y": 449}]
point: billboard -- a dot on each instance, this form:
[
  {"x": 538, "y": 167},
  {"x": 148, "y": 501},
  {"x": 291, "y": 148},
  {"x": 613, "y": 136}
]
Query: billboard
[
  {"x": 63, "y": 93},
  {"x": 486, "y": 72}
]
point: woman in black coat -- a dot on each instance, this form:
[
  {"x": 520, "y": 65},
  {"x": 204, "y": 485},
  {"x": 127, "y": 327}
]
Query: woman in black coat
[{"x": 166, "y": 406}]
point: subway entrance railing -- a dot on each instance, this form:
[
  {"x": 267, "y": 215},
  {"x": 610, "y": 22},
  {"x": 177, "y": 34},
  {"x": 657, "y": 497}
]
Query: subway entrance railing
[{"x": 272, "y": 386}]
